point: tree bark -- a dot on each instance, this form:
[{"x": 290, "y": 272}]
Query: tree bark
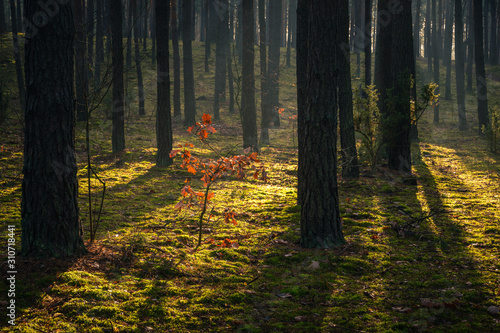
[
  {"x": 3, "y": 22},
  {"x": 273, "y": 67},
  {"x": 350, "y": 168},
  {"x": 138, "y": 66},
  {"x": 131, "y": 24},
  {"x": 470, "y": 45},
  {"x": 118, "y": 116},
  {"x": 448, "y": 41},
  {"x": 221, "y": 56},
  {"x": 368, "y": 42},
  {"x": 493, "y": 33},
  {"x": 264, "y": 97},
  {"x": 90, "y": 37},
  {"x": 17, "y": 56},
  {"x": 248, "y": 111},
  {"x": 189, "y": 93},
  {"x": 81, "y": 61},
  {"x": 436, "y": 54},
  {"x": 416, "y": 28},
  {"x": 177, "y": 60},
  {"x": 302, "y": 54},
  {"x": 164, "y": 137},
  {"x": 482, "y": 93},
  {"x": 49, "y": 208},
  {"x": 99, "y": 44},
  {"x": 320, "y": 223},
  {"x": 459, "y": 65}
]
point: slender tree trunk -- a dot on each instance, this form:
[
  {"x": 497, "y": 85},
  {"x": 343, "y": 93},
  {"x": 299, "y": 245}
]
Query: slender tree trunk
[
  {"x": 221, "y": 57},
  {"x": 248, "y": 111},
  {"x": 206, "y": 4},
  {"x": 470, "y": 45},
  {"x": 292, "y": 22},
  {"x": 273, "y": 68},
  {"x": 138, "y": 66},
  {"x": 482, "y": 93},
  {"x": 152, "y": 26},
  {"x": 90, "y": 37},
  {"x": 350, "y": 168},
  {"x": 302, "y": 61},
  {"x": 436, "y": 54},
  {"x": 131, "y": 24},
  {"x": 49, "y": 207},
  {"x": 177, "y": 60},
  {"x": 368, "y": 42},
  {"x": 99, "y": 44},
  {"x": 428, "y": 45},
  {"x": 19, "y": 15},
  {"x": 164, "y": 137},
  {"x": 17, "y": 56},
  {"x": 264, "y": 98},
  {"x": 416, "y": 28},
  {"x": 493, "y": 33},
  {"x": 3, "y": 23},
  {"x": 459, "y": 65},
  {"x": 320, "y": 223},
  {"x": 189, "y": 93},
  {"x": 448, "y": 41},
  {"x": 118, "y": 116},
  {"x": 81, "y": 62}
]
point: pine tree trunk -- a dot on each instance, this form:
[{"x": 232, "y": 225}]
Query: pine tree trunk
[
  {"x": 99, "y": 44},
  {"x": 164, "y": 135},
  {"x": 448, "y": 41},
  {"x": 17, "y": 56},
  {"x": 482, "y": 94},
  {"x": 436, "y": 55},
  {"x": 320, "y": 223},
  {"x": 248, "y": 111},
  {"x": 459, "y": 65},
  {"x": 221, "y": 57},
  {"x": 302, "y": 53},
  {"x": 49, "y": 208},
  {"x": 177, "y": 60},
  {"x": 273, "y": 68},
  {"x": 81, "y": 62},
  {"x": 138, "y": 66},
  {"x": 189, "y": 93},
  {"x": 428, "y": 45},
  {"x": 90, "y": 37},
  {"x": 493, "y": 33},
  {"x": 470, "y": 45},
  {"x": 350, "y": 168},
  {"x": 416, "y": 29},
  {"x": 3, "y": 24},
  {"x": 264, "y": 97},
  {"x": 368, "y": 42},
  {"x": 118, "y": 116}
]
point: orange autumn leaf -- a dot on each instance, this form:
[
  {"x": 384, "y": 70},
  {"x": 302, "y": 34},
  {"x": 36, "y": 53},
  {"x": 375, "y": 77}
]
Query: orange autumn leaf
[{"x": 206, "y": 118}]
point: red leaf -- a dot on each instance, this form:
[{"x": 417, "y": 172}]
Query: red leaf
[
  {"x": 173, "y": 153},
  {"x": 206, "y": 118}
]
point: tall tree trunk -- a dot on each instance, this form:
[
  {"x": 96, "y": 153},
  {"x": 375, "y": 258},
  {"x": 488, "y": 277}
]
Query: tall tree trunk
[
  {"x": 459, "y": 65},
  {"x": 189, "y": 93},
  {"x": 320, "y": 223},
  {"x": 368, "y": 42},
  {"x": 273, "y": 68},
  {"x": 221, "y": 56},
  {"x": 448, "y": 41},
  {"x": 416, "y": 28},
  {"x": 493, "y": 33},
  {"x": 470, "y": 45},
  {"x": 3, "y": 22},
  {"x": 486, "y": 40},
  {"x": 90, "y": 37},
  {"x": 138, "y": 66},
  {"x": 49, "y": 207},
  {"x": 206, "y": 27},
  {"x": 428, "y": 45},
  {"x": 350, "y": 168},
  {"x": 17, "y": 56},
  {"x": 164, "y": 137},
  {"x": 99, "y": 44},
  {"x": 393, "y": 68},
  {"x": 152, "y": 25},
  {"x": 248, "y": 111},
  {"x": 264, "y": 97},
  {"x": 437, "y": 55},
  {"x": 19, "y": 16},
  {"x": 177, "y": 60},
  {"x": 118, "y": 116},
  {"x": 132, "y": 22},
  {"x": 81, "y": 62},
  {"x": 292, "y": 22},
  {"x": 302, "y": 61},
  {"x": 482, "y": 93}
]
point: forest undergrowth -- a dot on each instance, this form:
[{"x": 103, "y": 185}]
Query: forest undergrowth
[{"x": 421, "y": 254}]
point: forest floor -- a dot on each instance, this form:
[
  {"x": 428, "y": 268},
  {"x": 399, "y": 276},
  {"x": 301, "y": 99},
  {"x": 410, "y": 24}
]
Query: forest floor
[{"x": 422, "y": 252}]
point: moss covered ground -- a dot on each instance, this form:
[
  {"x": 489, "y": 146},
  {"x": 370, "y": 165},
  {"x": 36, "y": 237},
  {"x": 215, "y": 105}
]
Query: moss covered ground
[{"x": 422, "y": 253}]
